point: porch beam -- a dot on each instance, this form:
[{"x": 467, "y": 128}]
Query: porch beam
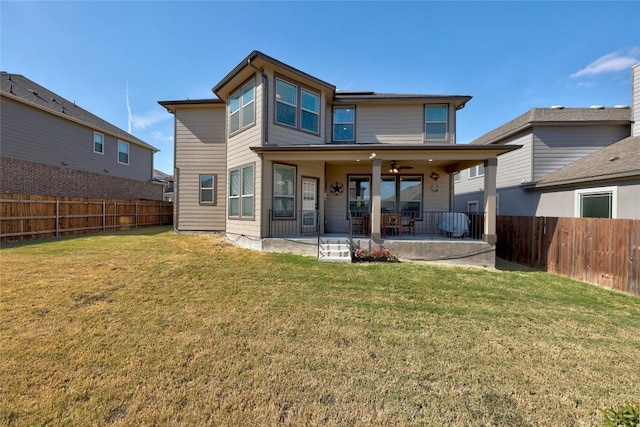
[{"x": 490, "y": 168}]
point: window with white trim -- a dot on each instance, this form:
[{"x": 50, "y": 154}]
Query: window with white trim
[
  {"x": 123, "y": 152},
  {"x": 596, "y": 203},
  {"x": 456, "y": 177},
  {"x": 98, "y": 143},
  {"x": 297, "y": 107},
  {"x": 207, "y": 189},
  {"x": 241, "y": 192},
  {"x": 344, "y": 119},
  {"x": 359, "y": 195},
  {"x": 284, "y": 191},
  {"x": 242, "y": 109},
  {"x": 476, "y": 171},
  {"x": 436, "y": 122},
  {"x": 472, "y": 206}
]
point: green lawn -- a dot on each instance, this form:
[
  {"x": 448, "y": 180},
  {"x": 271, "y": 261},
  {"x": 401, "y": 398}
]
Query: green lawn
[{"x": 152, "y": 328}]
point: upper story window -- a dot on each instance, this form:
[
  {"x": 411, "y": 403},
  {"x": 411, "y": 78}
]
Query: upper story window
[
  {"x": 123, "y": 152},
  {"x": 98, "y": 143},
  {"x": 436, "y": 122},
  {"x": 242, "y": 108},
  {"x": 297, "y": 107},
  {"x": 344, "y": 119},
  {"x": 456, "y": 177},
  {"x": 476, "y": 171}
]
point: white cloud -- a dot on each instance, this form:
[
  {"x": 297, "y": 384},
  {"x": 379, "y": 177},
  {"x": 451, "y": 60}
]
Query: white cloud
[
  {"x": 615, "y": 61},
  {"x": 148, "y": 119}
]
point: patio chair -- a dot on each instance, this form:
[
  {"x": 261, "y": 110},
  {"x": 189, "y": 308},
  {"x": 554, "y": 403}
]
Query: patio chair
[
  {"x": 410, "y": 224},
  {"x": 391, "y": 224}
]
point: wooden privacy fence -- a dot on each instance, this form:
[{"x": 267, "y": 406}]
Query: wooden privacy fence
[
  {"x": 597, "y": 250},
  {"x": 29, "y": 217}
]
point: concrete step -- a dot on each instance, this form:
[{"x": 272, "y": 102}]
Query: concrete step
[{"x": 336, "y": 250}]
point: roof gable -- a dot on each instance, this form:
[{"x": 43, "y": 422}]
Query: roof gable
[
  {"x": 20, "y": 88},
  {"x": 619, "y": 160},
  {"x": 252, "y": 63}
]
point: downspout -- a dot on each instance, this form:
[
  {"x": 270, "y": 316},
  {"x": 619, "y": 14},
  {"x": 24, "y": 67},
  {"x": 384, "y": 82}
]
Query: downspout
[
  {"x": 265, "y": 103},
  {"x": 265, "y": 141}
]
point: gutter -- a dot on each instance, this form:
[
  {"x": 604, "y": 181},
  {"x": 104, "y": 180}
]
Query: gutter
[{"x": 265, "y": 103}]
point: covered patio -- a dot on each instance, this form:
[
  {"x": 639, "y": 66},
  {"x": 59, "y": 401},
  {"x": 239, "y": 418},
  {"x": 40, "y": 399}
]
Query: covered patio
[{"x": 379, "y": 194}]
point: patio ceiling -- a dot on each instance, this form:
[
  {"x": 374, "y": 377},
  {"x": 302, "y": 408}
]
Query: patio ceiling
[{"x": 451, "y": 158}]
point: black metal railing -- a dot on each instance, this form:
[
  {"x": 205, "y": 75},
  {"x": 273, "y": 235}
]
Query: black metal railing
[
  {"x": 298, "y": 223},
  {"x": 421, "y": 225}
]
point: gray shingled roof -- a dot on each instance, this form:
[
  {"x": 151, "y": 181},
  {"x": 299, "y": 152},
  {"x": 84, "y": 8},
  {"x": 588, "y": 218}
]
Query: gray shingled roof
[
  {"x": 616, "y": 161},
  {"x": 19, "y": 87},
  {"x": 555, "y": 116}
]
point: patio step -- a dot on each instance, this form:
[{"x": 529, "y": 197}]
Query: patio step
[{"x": 335, "y": 250}]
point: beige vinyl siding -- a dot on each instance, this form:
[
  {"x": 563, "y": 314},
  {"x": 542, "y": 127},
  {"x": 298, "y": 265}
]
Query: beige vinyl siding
[
  {"x": 200, "y": 149},
  {"x": 239, "y": 154},
  {"x": 636, "y": 100},
  {"x": 285, "y": 135},
  {"x": 389, "y": 124},
  {"x": 34, "y": 135},
  {"x": 555, "y": 147},
  {"x": 516, "y": 166}
]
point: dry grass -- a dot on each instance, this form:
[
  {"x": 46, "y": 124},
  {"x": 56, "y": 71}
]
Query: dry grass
[{"x": 152, "y": 328}]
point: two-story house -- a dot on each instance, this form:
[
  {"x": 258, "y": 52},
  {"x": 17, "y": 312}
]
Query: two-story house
[
  {"x": 50, "y": 146},
  {"x": 281, "y": 160},
  {"x": 574, "y": 162}
]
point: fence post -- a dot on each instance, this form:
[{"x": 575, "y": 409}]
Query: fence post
[
  {"x": 57, "y": 216},
  {"x": 104, "y": 220},
  {"x": 136, "y": 214},
  {"x": 115, "y": 213}
]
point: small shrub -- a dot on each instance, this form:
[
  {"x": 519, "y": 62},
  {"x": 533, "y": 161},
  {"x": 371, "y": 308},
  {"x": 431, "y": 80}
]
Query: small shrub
[
  {"x": 625, "y": 416},
  {"x": 379, "y": 254}
]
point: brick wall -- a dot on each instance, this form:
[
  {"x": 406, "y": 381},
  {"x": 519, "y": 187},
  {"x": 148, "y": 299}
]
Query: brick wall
[{"x": 23, "y": 177}]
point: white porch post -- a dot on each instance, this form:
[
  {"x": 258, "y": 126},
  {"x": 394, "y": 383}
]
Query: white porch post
[
  {"x": 490, "y": 167},
  {"x": 376, "y": 201}
]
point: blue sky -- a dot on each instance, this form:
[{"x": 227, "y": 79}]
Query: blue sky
[{"x": 117, "y": 59}]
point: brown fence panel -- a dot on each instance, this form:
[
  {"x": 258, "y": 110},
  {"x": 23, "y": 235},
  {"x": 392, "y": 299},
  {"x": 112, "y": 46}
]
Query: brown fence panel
[
  {"x": 596, "y": 250},
  {"x": 29, "y": 217}
]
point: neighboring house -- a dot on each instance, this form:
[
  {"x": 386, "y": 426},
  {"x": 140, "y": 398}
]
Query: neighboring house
[
  {"x": 605, "y": 184},
  {"x": 574, "y": 162},
  {"x": 167, "y": 184},
  {"x": 49, "y": 146},
  {"x": 551, "y": 138},
  {"x": 281, "y": 160}
]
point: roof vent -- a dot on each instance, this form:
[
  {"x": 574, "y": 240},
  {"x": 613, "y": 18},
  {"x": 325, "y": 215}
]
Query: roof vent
[
  {"x": 557, "y": 107},
  {"x": 597, "y": 107},
  {"x": 621, "y": 107}
]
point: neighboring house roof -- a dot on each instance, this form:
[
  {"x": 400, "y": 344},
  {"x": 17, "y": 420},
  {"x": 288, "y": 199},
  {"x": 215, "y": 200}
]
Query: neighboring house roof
[
  {"x": 555, "y": 116},
  {"x": 161, "y": 176},
  {"x": 20, "y": 88},
  {"x": 616, "y": 161}
]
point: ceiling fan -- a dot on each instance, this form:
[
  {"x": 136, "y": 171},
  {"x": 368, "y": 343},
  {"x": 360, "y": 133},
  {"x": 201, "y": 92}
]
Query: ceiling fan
[{"x": 395, "y": 167}]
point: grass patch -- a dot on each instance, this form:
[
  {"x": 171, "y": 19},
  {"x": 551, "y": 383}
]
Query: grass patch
[{"x": 152, "y": 328}]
